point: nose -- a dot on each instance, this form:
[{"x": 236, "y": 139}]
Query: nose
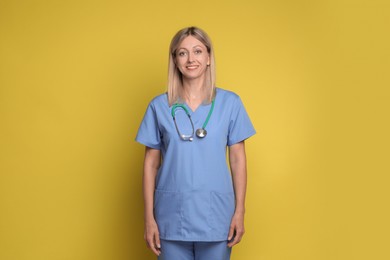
[{"x": 190, "y": 57}]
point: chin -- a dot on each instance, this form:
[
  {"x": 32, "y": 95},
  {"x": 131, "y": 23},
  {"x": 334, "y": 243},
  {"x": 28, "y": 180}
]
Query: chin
[{"x": 193, "y": 75}]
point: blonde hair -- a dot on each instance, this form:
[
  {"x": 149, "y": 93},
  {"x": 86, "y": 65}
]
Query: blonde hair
[{"x": 175, "y": 79}]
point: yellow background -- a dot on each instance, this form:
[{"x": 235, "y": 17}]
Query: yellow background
[{"x": 75, "y": 80}]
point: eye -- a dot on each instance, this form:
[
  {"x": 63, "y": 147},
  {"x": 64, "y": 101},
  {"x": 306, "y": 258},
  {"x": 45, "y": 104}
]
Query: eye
[
  {"x": 198, "y": 51},
  {"x": 182, "y": 53}
]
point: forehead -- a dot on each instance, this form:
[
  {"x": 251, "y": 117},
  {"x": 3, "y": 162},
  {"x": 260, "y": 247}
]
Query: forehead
[{"x": 190, "y": 42}]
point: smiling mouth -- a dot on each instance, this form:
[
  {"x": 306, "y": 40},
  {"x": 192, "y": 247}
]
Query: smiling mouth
[{"x": 192, "y": 67}]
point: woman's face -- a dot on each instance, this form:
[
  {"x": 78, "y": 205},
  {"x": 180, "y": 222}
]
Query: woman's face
[{"x": 192, "y": 58}]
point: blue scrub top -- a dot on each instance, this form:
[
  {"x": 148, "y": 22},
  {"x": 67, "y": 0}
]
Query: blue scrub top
[{"x": 194, "y": 196}]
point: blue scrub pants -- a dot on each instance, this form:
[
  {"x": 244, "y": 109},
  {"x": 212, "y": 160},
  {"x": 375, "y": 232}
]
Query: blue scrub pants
[{"x": 183, "y": 250}]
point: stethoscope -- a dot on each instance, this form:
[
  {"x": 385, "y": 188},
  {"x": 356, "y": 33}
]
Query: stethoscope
[{"x": 201, "y": 132}]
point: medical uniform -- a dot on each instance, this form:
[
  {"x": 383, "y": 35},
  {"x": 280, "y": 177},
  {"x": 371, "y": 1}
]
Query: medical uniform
[{"x": 194, "y": 196}]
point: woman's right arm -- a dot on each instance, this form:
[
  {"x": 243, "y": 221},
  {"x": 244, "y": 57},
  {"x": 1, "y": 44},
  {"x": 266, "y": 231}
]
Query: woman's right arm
[{"x": 152, "y": 163}]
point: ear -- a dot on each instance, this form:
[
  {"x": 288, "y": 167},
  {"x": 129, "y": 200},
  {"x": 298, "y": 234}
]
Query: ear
[{"x": 208, "y": 60}]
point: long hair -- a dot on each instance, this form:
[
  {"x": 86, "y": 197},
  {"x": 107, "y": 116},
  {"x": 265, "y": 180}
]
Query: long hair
[{"x": 175, "y": 78}]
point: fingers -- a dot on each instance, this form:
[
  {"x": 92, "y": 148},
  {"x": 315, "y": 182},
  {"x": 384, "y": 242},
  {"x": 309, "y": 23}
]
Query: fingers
[
  {"x": 155, "y": 246},
  {"x": 152, "y": 246},
  {"x": 239, "y": 232},
  {"x": 153, "y": 243},
  {"x": 231, "y": 233},
  {"x": 157, "y": 240}
]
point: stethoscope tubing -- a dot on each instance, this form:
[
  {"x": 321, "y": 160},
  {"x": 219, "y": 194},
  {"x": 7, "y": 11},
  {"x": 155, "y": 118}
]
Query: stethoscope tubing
[
  {"x": 182, "y": 136},
  {"x": 199, "y": 132}
]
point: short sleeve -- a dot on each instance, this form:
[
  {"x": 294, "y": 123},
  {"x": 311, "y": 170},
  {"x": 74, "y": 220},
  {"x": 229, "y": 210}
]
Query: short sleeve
[
  {"x": 240, "y": 125},
  {"x": 148, "y": 132}
]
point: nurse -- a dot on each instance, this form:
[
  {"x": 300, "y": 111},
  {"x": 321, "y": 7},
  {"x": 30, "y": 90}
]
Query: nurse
[{"x": 194, "y": 204}]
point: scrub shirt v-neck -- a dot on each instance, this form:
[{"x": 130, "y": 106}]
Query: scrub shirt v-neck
[{"x": 194, "y": 196}]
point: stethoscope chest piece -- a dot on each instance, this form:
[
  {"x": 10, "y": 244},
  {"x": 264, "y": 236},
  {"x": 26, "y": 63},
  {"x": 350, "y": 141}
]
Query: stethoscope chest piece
[{"x": 201, "y": 132}]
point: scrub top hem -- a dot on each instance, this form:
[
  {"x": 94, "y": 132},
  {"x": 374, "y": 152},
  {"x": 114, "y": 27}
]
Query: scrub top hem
[{"x": 194, "y": 239}]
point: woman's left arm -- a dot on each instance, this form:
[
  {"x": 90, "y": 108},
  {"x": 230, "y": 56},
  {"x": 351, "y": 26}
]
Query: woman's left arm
[{"x": 237, "y": 159}]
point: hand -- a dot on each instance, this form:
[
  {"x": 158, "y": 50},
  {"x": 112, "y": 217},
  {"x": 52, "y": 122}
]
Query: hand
[
  {"x": 237, "y": 229},
  {"x": 152, "y": 236}
]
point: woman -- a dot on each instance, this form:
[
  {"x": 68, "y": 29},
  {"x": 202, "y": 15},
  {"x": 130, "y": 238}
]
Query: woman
[{"x": 194, "y": 206}]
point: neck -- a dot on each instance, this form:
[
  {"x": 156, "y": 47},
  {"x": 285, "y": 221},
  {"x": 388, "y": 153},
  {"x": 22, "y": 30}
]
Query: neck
[
  {"x": 193, "y": 94},
  {"x": 193, "y": 90}
]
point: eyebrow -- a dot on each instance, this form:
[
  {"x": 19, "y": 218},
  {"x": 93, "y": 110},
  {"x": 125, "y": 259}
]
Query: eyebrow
[{"x": 192, "y": 47}]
